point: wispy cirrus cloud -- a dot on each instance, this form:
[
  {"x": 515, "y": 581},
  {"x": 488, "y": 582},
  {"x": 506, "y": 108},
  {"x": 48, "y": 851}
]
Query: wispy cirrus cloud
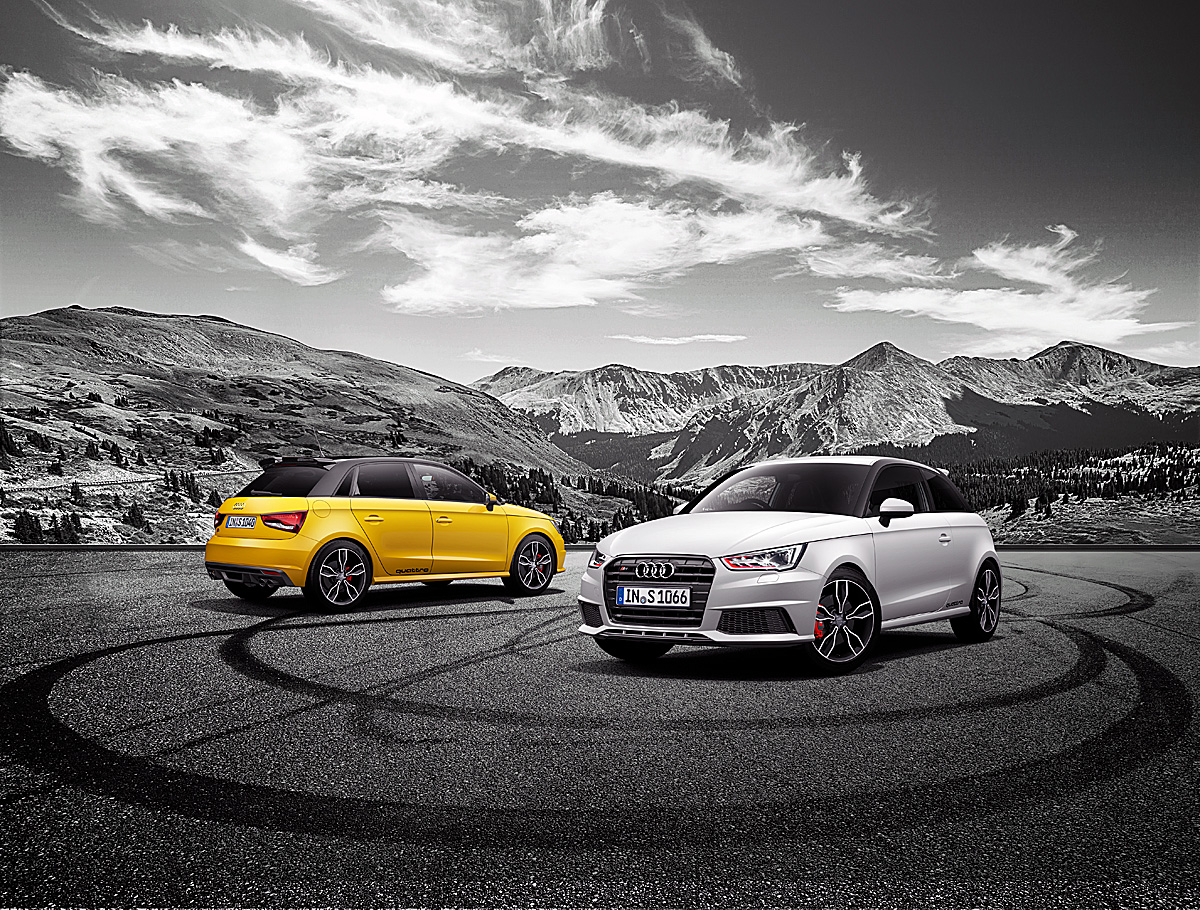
[
  {"x": 377, "y": 137},
  {"x": 579, "y": 253},
  {"x": 680, "y": 339},
  {"x": 297, "y": 263},
  {"x": 1063, "y": 302},
  {"x": 478, "y": 355},
  {"x": 401, "y": 147},
  {"x": 873, "y": 260}
]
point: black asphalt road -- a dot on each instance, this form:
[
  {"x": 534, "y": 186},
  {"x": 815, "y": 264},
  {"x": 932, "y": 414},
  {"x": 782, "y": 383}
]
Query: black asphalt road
[{"x": 162, "y": 743}]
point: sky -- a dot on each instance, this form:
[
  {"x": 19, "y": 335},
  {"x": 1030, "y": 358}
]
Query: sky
[{"x": 460, "y": 185}]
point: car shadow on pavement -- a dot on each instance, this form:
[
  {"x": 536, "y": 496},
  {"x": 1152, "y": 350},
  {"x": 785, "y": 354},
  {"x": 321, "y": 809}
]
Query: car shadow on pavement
[
  {"x": 767, "y": 664},
  {"x": 392, "y": 598}
]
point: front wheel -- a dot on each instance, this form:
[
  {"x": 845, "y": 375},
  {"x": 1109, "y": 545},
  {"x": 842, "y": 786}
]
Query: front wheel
[
  {"x": 532, "y": 566},
  {"x": 980, "y": 624},
  {"x": 634, "y": 652},
  {"x": 339, "y": 575},
  {"x": 846, "y": 622}
]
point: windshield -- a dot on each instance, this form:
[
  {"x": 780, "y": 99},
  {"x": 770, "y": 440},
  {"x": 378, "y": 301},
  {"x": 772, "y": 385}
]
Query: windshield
[
  {"x": 292, "y": 480},
  {"x": 814, "y": 487}
]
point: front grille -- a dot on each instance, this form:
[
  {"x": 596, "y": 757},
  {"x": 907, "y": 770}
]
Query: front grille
[
  {"x": 694, "y": 572},
  {"x": 765, "y": 621},
  {"x": 591, "y": 614}
]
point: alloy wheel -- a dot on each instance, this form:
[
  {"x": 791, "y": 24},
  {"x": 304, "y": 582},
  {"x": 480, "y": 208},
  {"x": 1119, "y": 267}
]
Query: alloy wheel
[
  {"x": 535, "y": 565},
  {"x": 987, "y": 596},
  {"x": 846, "y": 618},
  {"x": 342, "y": 577}
]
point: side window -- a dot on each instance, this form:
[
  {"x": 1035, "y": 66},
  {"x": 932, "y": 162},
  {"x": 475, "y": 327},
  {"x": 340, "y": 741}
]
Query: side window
[
  {"x": 387, "y": 480},
  {"x": 447, "y": 486},
  {"x": 945, "y": 495},
  {"x": 897, "y": 482}
]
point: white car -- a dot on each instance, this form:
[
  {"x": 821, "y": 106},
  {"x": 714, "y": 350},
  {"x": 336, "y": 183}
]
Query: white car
[{"x": 822, "y": 552}]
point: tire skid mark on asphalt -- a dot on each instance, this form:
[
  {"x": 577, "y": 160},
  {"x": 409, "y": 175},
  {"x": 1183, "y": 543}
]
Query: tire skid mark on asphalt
[
  {"x": 38, "y": 739},
  {"x": 253, "y": 693},
  {"x": 315, "y": 689},
  {"x": 1090, "y": 663},
  {"x": 1137, "y": 600}
]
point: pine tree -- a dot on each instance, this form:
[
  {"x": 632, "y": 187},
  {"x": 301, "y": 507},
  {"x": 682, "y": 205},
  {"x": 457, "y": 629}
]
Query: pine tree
[{"x": 28, "y": 528}]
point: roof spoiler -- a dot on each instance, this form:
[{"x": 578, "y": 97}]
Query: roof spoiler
[{"x": 296, "y": 459}]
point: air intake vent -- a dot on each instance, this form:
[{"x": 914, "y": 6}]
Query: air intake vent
[
  {"x": 766, "y": 621},
  {"x": 591, "y": 614}
]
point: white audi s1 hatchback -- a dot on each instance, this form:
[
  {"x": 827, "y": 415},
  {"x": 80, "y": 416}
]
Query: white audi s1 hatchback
[{"x": 823, "y": 553}]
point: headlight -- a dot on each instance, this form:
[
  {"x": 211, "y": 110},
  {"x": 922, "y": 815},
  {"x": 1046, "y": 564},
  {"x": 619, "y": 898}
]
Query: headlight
[
  {"x": 777, "y": 559},
  {"x": 598, "y": 559}
]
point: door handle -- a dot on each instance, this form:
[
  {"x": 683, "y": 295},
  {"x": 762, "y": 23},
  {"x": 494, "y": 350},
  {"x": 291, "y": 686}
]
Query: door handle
[
  {"x": 372, "y": 518},
  {"x": 444, "y": 520},
  {"x": 945, "y": 538}
]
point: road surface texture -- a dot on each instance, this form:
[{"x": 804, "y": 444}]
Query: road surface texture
[{"x": 165, "y": 744}]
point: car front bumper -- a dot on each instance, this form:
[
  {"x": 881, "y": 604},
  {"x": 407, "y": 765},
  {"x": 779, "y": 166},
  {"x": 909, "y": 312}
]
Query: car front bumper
[{"x": 736, "y": 600}]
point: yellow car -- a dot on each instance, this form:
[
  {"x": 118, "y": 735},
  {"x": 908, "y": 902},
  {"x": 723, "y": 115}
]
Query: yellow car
[{"x": 334, "y": 527}]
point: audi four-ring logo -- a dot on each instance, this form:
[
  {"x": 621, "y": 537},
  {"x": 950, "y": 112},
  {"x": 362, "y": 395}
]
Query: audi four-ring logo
[{"x": 654, "y": 570}]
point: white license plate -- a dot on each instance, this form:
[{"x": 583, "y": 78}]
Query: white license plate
[
  {"x": 654, "y": 597},
  {"x": 240, "y": 521}
]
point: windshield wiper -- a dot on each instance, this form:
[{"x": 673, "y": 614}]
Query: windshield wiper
[{"x": 262, "y": 493}]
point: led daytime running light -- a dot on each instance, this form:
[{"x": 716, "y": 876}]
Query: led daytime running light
[{"x": 776, "y": 559}]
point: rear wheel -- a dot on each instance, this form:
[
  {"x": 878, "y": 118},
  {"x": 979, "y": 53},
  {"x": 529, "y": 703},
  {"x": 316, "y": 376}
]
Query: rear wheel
[
  {"x": 532, "y": 566},
  {"x": 339, "y": 575},
  {"x": 980, "y": 624},
  {"x": 846, "y": 622},
  {"x": 634, "y": 652},
  {"x": 252, "y": 593}
]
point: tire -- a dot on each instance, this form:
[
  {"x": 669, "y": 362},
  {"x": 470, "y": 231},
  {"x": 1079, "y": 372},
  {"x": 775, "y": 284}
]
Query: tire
[
  {"x": 848, "y": 617},
  {"x": 440, "y": 583},
  {"x": 252, "y": 593},
  {"x": 339, "y": 576},
  {"x": 634, "y": 652},
  {"x": 980, "y": 624},
  {"x": 532, "y": 566}
]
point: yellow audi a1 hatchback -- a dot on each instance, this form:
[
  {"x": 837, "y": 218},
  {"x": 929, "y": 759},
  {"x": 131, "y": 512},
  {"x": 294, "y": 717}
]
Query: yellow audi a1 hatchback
[{"x": 335, "y": 526}]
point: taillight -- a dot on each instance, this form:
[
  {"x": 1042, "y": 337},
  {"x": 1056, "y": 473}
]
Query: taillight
[
  {"x": 217, "y": 520},
  {"x": 284, "y": 521}
]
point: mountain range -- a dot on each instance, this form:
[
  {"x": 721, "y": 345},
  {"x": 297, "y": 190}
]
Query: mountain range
[
  {"x": 204, "y": 391},
  {"x": 691, "y": 426},
  {"x": 179, "y": 388}
]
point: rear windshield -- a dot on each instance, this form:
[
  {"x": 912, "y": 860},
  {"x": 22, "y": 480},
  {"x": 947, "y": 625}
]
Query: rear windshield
[
  {"x": 814, "y": 487},
  {"x": 289, "y": 480}
]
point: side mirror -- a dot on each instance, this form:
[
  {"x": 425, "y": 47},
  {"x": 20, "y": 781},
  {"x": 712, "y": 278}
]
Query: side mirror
[
  {"x": 894, "y": 508},
  {"x": 491, "y": 501},
  {"x": 679, "y": 508}
]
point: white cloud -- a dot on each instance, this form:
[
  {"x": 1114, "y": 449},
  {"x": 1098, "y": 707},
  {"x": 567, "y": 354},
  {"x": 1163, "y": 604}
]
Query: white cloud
[
  {"x": 679, "y": 339},
  {"x": 297, "y": 263},
  {"x": 480, "y": 356},
  {"x": 1062, "y": 305},
  {"x": 1176, "y": 353},
  {"x": 579, "y": 253},
  {"x": 872, "y": 260}
]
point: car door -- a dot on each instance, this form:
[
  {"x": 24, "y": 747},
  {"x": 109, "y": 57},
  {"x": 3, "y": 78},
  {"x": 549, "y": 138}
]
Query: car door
[
  {"x": 394, "y": 518},
  {"x": 966, "y": 528},
  {"x": 913, "y": 556},
  {"x": 467, "y": 536}
]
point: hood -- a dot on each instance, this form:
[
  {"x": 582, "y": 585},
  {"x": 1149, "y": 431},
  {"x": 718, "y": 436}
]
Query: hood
[{"x": 725, "y": 533}]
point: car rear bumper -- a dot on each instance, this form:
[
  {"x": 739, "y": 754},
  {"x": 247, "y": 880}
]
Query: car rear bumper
[
  {"x": 255, "y": 576},
  {"x": 252, "y": 554}
]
